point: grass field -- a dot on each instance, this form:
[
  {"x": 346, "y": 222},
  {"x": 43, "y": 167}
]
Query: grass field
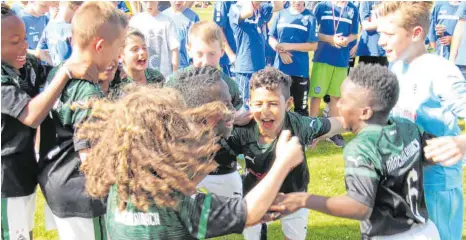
[{"x": 326, "y": 171}]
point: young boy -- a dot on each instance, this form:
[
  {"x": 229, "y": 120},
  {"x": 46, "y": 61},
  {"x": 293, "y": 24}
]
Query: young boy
[
  {"x": 246, "y": 20},
  {"x": 221, "y": 10},
  {"x": 338, "y": 26},
  {"x": 150, "y": 180},
  {"x": 433, "y": 95},
  {"x": 205, "y": 45},
  {"x": 35, "y": 18},
  {"x": 183, "y": 18},
  {"x": 99, "y": 43},
  {"x": 293, "y": 35},
  {"x": 270, "y": 104},
  {"x": 442, "y": 24},
  {"x": 55, "y": 43},
  {"x": 162, "y": 40},
  {"x": 383, "y": 163},
  {"x": 369, "y": 50},
  {"x": 23, "y": 110}
]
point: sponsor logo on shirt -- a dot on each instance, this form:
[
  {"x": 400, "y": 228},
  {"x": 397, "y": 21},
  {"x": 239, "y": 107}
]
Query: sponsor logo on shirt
[
  {"x": 137, "y": 218},
  {"x": 408, "y": 152},
  {"x": 250, "y": 159}
]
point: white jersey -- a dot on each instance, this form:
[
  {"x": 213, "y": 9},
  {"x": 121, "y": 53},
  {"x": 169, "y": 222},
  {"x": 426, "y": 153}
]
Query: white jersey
[
  {"x": 433, "y": 95},
  {"x": 161, "y": 39}
]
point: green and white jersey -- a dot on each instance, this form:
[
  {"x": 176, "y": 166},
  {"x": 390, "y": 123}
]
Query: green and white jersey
[
  {"x": 152, "y": 76},
  {"x": 236, "y": 99},
  {"x": 19, "y": 164},
  {"x": 384, "y": 171},
  {"x": 259, "y": 158},
  {"x": 60, "y": 180},
  {"x": 198, "y": 217}
]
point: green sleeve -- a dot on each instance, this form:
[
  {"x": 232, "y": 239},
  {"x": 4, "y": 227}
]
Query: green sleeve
[
  {"x": 311, "y": 128},
  {"x": 170, "y": 81},
  {"x": 209, "y": 215},
  {"x": 236, "y": 99},
  {"x": 234, "y": 141},
  {"x": 154, "y": 76},
  {"x": 361, "y": 177}
]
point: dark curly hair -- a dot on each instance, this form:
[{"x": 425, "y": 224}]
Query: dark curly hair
[
  {"x": 150, "y": 145},
  {"x": 271, "y": 79},
  {"x": 382, "y": 84},
  {"x": 194, "y": 82}
]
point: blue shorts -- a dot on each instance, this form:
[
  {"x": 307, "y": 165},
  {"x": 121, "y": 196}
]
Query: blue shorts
[
  {"x": 243, "y": 83},
  {"x": 446, "y": 210}
]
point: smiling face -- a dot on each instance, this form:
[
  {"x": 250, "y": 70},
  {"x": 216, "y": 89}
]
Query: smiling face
[
  {"x": 394, "y": 39},
  {"x": 14, "y": 44},
  {"x": 269, "y": 108},
  {"x": 135, "y": 53},
  {"x": 351, "y": 104}
]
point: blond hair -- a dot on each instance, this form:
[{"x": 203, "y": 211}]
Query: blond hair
[
  {"x": 207, "y": 31},
  {"x": 97, "y": 19},
  {"x": 412, "y": 13}
]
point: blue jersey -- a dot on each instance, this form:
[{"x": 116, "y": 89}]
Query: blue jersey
[
  {"x": 56, "y": 38},
  {"x": 335, "y": 20},
  {"x": 269, "y": 52},
  {"x": 249, "y": 37},
  {"x": 123, "y": 7},
  {"x": 34, "y": 27},
  {"x": 221, "y": 10},
  {"x": 294, "y": 28},
  {"x": 369, "y": 40},
  {"x": 444, "y": 13},
  {"x": 433, "y": 99},
  {"x": 183, "y": 22},
  {"x": 461, "y": 57}
]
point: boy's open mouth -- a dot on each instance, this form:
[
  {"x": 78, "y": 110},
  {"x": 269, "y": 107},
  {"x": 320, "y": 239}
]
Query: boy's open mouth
[
  {"x": 267, "y": 123},
  {"x": 141, "y": 61}
]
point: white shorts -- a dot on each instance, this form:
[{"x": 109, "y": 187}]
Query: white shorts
[
  {"x": 294, "y": 226},
  {"x": 227, "y": 185},
  {"x": 75, "y": 228},
  {"x": 18, "y": 216},
  {"x": 426, "y": 231}
]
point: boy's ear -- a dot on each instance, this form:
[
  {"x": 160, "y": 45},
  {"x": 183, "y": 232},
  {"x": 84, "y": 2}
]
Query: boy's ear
[
  {"x": 289, "y": 103},
  {"x": 99, "y": 44},
  {"x": 417, "y": 33},
  {"x": 367, "y": 113}
]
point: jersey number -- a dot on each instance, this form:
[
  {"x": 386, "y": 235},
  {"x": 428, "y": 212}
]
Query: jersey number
[{"x": 413, "y": 194}]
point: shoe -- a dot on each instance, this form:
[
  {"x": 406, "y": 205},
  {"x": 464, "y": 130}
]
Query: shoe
[
  {"x": 325, "y": 112},
  {"x": 337, "y": 140}
]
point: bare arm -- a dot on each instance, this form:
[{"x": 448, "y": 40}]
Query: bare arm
[
  {"x": 339, "y": 206},
  {"x": 327, "y": 38},
  {"x": 273, "y": 43},
  {"x": 369, "y": 26},
  {"x": 175, "y": 59},
  {"x": 336, "y": 124},
  {"x": 302, "y": 47},
  {"x": 231, "y": 55},
  {"x": 37, "y": 109},
  {"x": 456, "y": 41}
]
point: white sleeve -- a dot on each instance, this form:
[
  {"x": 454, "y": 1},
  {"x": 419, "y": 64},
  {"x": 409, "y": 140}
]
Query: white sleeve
[
  {"x": 450, "y": 88},
  {"x": 173, "y": 41}
]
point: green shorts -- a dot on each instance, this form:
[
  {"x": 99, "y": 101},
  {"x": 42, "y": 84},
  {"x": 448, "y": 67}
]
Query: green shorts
[{"x": 326, "y": 80}]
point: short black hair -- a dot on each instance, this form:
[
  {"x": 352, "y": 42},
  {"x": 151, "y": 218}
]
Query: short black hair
[
  {"x": 6, "y": 11},
  {"x": 271, "y": 79},
  {"x": 193, "y": 84},
  {"x": 382, "y": 84}
]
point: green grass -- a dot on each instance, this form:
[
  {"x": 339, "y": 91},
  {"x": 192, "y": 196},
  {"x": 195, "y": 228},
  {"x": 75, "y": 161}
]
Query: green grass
[{"x": 326, "y": 172}]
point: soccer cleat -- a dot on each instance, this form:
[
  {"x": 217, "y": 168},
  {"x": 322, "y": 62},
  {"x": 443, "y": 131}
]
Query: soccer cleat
[{"x": 337, "y": 140}]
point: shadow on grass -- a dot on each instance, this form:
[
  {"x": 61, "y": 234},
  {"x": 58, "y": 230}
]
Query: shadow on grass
[{"x": 274, "y": 232}]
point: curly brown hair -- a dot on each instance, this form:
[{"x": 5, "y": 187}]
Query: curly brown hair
[{"x": 151, "y": 145}]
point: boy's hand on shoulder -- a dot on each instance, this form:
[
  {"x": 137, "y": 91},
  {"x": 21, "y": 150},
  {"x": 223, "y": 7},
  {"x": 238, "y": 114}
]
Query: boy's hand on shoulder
[
  {"x": 289, "y": 151},
  {"x": 82, "y": 70}
]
